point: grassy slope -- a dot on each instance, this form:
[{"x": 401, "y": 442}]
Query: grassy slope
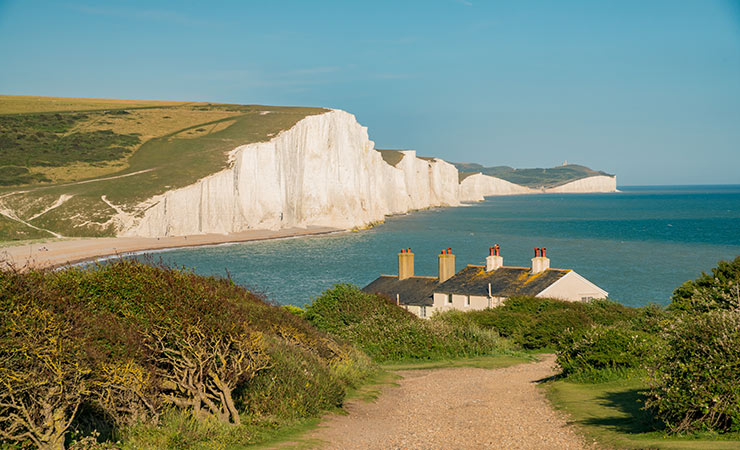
[
  {"x": 175, "y": 158},
  {"x": 534, "y": 178},
  {"x": 611, "y": 414}
]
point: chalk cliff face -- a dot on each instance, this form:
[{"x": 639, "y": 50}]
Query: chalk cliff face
[
  {"x": 475, "y": 187},
  {"x": 591, "y": 184},
  {"x": 324, "y": 171}
]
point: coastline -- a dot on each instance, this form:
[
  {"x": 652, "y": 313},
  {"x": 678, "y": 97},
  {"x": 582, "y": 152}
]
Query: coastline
[{"x": 51, "y": 254}]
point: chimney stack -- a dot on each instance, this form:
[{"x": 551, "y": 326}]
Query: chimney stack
[
  {"x": 494, "y": 260},
  {"x": 405, "y": 264},
  {"x": 446, "y": 265},
  {"x": 540, "y": 262}
]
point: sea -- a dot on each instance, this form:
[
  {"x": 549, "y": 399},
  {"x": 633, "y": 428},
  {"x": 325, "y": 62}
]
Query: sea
[{"x": 638, "y": 244}]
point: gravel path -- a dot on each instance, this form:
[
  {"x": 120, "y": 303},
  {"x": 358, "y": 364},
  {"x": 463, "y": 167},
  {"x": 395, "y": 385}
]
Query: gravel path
[{"x": 459, "y": 408}]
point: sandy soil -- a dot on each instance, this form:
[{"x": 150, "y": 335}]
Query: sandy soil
[
  {"x": 458, "y": 408},
  {"x": 56, "y": 253}
]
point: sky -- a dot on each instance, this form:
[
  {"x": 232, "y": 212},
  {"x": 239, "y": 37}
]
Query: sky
[{"x": 647, "y": 89}]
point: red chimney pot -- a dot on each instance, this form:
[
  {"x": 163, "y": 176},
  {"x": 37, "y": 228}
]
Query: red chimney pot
[{"x": 543, "y": 251}]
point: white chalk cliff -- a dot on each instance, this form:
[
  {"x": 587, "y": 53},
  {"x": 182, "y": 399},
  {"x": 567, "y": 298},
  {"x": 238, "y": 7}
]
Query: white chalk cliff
[
  {"x": 599, "y": 183},
  {"x": 324, "y": 171},
  {"x": 477, "y": 186}
]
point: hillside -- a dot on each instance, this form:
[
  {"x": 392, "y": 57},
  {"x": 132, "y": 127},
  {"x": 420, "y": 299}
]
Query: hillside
[{"x": 534, "y": 178}]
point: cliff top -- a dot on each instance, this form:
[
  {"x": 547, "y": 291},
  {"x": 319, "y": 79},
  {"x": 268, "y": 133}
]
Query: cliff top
[{"x": 533, "y": 178}]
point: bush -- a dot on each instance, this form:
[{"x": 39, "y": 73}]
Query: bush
[
  {"x": 696, "y": 385},
  {"x": 541, "y": 323},
  {"x": 116, "y": 345},
  {"x": 605, "y": 348},
  {"x": 389, "y": 333},
  {"x": 721, "y": 290}
]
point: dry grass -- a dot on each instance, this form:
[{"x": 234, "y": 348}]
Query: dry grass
[
  {"x": 204, "y": 130},
  {"x": 81, "y": 170},
  {"x": 151, "y": 123},
  {"x": 20, "y": 104}
]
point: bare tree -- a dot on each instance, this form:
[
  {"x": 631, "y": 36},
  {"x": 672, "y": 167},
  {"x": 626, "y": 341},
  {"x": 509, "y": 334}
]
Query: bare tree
[{"x": 201, "y": 368}]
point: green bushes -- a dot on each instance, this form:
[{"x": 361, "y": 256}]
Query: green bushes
[
  {"x": 389, "y": 333},
  {"x": 119, "y": 345},
  {"x": 721, "y": 290},
  {"x": 696, "y": 385},
  {"x": 537, "y": 323},
  {"x": 604, "y": 350},
  {"x": 48, "y": 140}
]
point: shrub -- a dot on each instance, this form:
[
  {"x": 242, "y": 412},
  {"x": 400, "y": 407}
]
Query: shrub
[
  {"x": 721, "y": 290},
  {"x": 696, "y": 385},
  {"x": 113, "y": 347},
  {"x": 604, "y": 347},
  {"x": 540, "y": 323},
  {"x": 389, "y": 333}
]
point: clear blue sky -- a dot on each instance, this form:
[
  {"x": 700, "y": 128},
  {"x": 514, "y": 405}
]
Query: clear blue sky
[{"x": 646, "y": 89}]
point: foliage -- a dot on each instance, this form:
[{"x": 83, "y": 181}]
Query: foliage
[
  {"x": 42, "y": 378},
  {"x": 13, "y": 175},
  {"x": 720, "y": 290},
  {"x": 605, "y": 347},
  {"x": 295, "y": 310},
  {"x": 541, "y": 323},
  {"x": 47, "y": 140},
  {"x": 389, "y": 333},
  {"x": 696, "y": 385},
  {"x": 119, "y": 345}
]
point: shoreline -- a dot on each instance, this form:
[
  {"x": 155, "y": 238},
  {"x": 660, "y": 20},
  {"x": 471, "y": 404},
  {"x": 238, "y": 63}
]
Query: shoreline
[{"x": 53, "y": 254}]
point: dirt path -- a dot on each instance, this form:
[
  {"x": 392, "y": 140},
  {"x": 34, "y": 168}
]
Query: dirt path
[{"x": 460, "y": 408}]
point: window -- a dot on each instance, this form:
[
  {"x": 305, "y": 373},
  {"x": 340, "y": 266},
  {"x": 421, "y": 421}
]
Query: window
[
  {"x": 467, "y": 301},
  {"x": 585, "y": 299},
  {"x": 449, "y": 299},
  {"x": 422, "y": 311}
]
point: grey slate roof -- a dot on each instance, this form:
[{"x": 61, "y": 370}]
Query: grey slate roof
[
  {"x": 417, "y": 291},
  {"x": 505, "y": 281}
]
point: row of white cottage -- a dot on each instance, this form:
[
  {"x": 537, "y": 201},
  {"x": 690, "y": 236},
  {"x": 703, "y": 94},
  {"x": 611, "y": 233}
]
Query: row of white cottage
[{"x": 478, "y": 286}]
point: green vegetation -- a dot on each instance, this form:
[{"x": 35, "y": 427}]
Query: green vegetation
[
  {"x": 127, "y": 154},
  {"x": 720, "y": 290},
  {"x": 534, "y": 178},
  {"x": 541, "y": 324},
  {"x": 389, "y": 333},
  {"x": 156, "y": 357},
  {"x": 696, "y": 385},
  {"x": 45, "y": 140}
]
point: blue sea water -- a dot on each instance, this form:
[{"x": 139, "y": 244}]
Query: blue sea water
[{"x": 638, "y": 244}]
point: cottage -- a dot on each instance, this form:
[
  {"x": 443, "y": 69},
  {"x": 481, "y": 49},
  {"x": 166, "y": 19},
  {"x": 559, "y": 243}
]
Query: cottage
[{"x": 480, "y": 286}]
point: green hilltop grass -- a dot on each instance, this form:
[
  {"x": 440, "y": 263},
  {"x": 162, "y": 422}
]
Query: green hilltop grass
[
  {"x": 127, "y": 151},
  {"x": 533, "y": 178}
]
